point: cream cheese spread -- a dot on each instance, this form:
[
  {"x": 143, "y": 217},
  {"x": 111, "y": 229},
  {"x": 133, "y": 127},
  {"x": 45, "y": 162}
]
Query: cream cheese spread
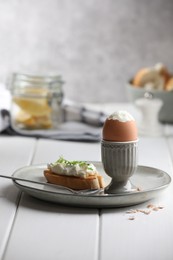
[
  {"x": 80, "y": 169},
  {"x": 121, "y": 115}
]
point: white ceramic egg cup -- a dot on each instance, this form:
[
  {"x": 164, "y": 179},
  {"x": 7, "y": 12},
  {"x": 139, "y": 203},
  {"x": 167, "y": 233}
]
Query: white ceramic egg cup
[{"x": 120, "y": 163}]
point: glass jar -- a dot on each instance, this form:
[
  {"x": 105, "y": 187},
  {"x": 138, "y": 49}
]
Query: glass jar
[{"x": 36, "y": 101}]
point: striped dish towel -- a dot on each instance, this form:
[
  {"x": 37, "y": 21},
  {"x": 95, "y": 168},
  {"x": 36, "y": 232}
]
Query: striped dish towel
[{"x": 78, "y": 124}]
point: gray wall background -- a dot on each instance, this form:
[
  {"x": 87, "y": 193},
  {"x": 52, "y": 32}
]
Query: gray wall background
[{"x": 96, "y": 45}]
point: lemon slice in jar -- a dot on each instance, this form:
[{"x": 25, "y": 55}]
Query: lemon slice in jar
[
  {"x": 33, "y": 121},
  {"x": 24, "y": 118},
  {"x": 35, "y": 103}
]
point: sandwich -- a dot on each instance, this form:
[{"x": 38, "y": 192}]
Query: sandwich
[{"x": 77, "y": 175}]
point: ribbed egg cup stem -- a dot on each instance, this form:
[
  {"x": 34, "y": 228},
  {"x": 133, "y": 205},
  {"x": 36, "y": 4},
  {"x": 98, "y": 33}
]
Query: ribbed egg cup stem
[{"x": 120, "y": 163}]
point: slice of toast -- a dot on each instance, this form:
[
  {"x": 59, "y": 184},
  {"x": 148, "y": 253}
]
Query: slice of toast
[{"x": 76, "y": 183}]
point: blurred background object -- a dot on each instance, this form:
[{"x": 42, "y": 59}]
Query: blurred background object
[
  {"x": 149, "y": 108},
  {"x": 95, "y": 45},
  {"x": 36, "y": 101},
  {"x": 155, "y": 81}
]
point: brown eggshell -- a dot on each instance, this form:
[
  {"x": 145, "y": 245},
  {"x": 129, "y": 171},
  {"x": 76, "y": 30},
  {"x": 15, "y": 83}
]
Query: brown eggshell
[
  {"x": 164, "y": 73},
  {"x": 169, "y": 85},
  {"x": 117, "y": 131},
  {"x": 137, "y": 81}
]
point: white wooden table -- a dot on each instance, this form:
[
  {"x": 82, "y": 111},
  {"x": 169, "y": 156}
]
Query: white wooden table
[{"x": 34, "y": 229}]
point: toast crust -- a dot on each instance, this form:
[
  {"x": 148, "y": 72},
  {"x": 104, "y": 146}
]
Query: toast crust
[{"x": 73, "y": 182}]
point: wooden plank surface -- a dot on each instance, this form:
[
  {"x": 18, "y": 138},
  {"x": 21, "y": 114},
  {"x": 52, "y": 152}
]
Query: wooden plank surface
[
  {"x": 15, "y": 152},
  {"x": 147, "y": 236},
  {"x": 44, "y": 230}
]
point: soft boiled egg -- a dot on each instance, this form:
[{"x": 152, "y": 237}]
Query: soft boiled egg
[{"x": 120, "y": 127}]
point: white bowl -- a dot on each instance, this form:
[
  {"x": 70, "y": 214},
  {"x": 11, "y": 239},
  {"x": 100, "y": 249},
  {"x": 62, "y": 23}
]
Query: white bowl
[{"x": 166, "y": 112}]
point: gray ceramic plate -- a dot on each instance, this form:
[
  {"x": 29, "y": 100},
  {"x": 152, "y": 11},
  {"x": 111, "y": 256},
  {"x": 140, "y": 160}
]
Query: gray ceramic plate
[{"x": 150, "y": 181}]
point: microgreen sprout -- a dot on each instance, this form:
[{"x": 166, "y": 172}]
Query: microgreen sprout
[{"x": 73, "y": 163}]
